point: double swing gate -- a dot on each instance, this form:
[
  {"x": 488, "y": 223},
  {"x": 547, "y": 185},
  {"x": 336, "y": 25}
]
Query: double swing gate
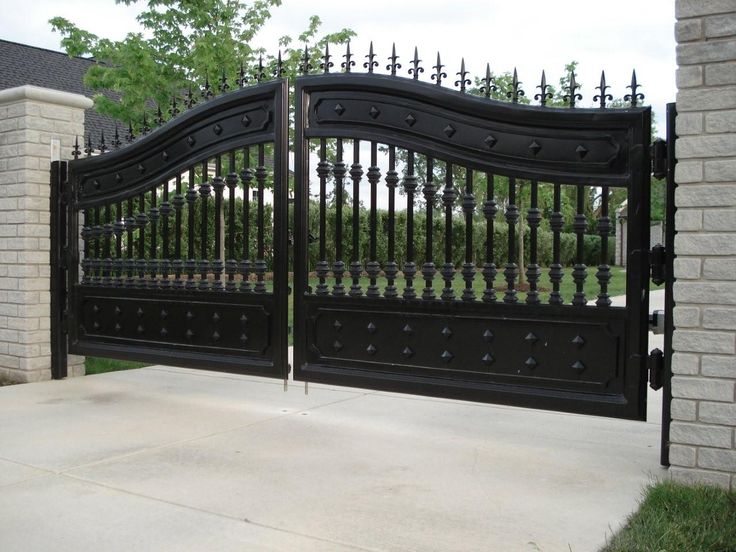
[{"x": 176, "y": 248}]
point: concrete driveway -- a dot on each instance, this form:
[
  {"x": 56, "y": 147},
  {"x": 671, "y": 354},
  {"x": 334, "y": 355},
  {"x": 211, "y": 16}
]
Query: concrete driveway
[{"x": 173, "y": 459}]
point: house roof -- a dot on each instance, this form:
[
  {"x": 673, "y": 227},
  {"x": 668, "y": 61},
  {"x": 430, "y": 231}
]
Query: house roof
[{"x": 21, "y": 64}]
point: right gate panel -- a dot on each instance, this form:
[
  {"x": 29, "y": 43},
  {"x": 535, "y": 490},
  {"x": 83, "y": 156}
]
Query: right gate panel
[{"x": 458, "y": 247}]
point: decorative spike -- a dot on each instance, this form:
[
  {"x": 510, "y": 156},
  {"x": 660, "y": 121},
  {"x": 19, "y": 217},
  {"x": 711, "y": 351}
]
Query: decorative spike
[
  {"x": 463, "y": 74},
  {"x": 543, "y": 96},
  {"x": 348, "y": 63},
  {"x": 130, "y": 136},
  {"x": 279, "y": 69},
  {"x": 102, "y": 147},
  {"x": 189, "y": 99},
  {"x": 159, "y": 117},
  {"x": 145, "y": 129},
  {"x": 326, "y": 63},
  {"x": 207, "y": 90},
  {"x": 416, "y": 69},
  {"x": 371, "y": 63},
  {"x": 89, "y": 149},
  {"x": 603, "y": 96},
  {"x": 515, "y": 92},
  {"x": 439, "y": 74},
  {"x": 394, "y": 65},
  {"x": 488, "y": 85},
  {"x": 76, "y": 152},
  {"x": 259, "y": 74},
  {"x": 174, "y": 109},
  {"x": 572, "y": 95},
  {"x": 116, "y": 138},
  {"x": 224, "y": 86},
  {"x": 635, "y": 97},
  {"x": 242, "y": 78},
  {"x": 305, "y": 66}
]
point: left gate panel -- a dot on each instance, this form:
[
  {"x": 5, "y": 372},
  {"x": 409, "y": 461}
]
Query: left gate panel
[{"x": 176, "y": 244}]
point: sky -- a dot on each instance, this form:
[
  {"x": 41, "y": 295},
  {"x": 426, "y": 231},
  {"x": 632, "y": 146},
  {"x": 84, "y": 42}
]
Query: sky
[{"x": 531, "y": 35}]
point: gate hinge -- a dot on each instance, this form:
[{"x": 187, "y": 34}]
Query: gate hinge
[
  {"x": 659, "y": 158},
  {"x": 657, "y": 264},
  {"x": 655, "y": 363}
]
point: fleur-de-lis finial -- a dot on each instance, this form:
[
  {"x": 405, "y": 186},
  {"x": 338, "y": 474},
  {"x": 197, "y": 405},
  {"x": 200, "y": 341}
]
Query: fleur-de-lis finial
[
  {"x": 189, "y": 99},
  {"x": 603, "y": 96},
  {"x": 207, "y": 89},
  {"x": 635, "y": 97},
  {"x": 415, "y": 68},
  {"x": 305, "y": 67},
  {"x": 76, "y": 152},
  {"x": 439, "y": 74},
  {"x": 89, "y": 149},
  {"x": 224, "y": 86},
  {"x": 260, "y": 74},
  {"x": 348, "y": 63},
  {"x": 130, "y": 136},
  {"x": 174, "y": 109},
  {"x": 116, "y": 138},
  {"x": 145, "y": 129},
  {"x": 371, "y": 63},
  {"x": 242, "y": 77},
  {"x": 326, "y": 63},
  {"x": 543, "y": 95},
  {"x": 488, "y": 85},
  {"x": 572, "y": 95},
  {"x": 278, "y": 71},
  {"x": 159, "y": 117},
  {"x": 102, "y": 146},
  {"x": 394, "y": 65},
  {"x": 463, "y": 74},
  {"x": 515, "y": 92}
]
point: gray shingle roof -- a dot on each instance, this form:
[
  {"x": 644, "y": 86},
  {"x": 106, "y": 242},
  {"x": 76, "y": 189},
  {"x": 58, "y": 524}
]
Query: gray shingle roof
[{"x": 22, "y": 64}]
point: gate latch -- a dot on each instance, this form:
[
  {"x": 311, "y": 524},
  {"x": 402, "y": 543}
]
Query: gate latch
[
  {"x": 657, "y": 259},
  {"x": 655, "y": 363},
  {"x": 659, "y": 158}
]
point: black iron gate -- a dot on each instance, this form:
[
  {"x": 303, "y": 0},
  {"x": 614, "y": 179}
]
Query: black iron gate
[
  {"x": 180, "y": 264},
  {"x": 176, "y": 267},
  {"x": 369, "y": 319}
]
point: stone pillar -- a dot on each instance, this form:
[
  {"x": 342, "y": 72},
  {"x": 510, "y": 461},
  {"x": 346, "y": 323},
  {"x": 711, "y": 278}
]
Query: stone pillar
[
  {"x": 33, "y": 120},
  {"x": 704, "y": 361}
]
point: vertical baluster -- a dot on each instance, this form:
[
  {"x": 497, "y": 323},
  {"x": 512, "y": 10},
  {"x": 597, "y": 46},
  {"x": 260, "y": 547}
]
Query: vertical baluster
[
  {"x": 203, "y": 266},
  {"x": 165, "y": 262},
  {"x": 96, "y": 261},
  {"x": 372, "y": 267},
  {"x": 260, "y": 268},
  {"x": 390, "y": 268},
  {"x": 178, "y": 263},
  {"x": 428, "y": 268},
  {"x": 141, "y": 220},
  {"x": 579, "y": 273},
  {"x": 86, "y": 234},
  {"x": 604, "y": 271},
  {"x": 555, "y": 270},
  {"x": 246, "y": 177},
  {"x": 511, "y": 270},
  {"x": 323, "y": 171},
  {"x": 107, "y": 231},
  {"x": 533, "y": 217},
  {"x": 339, "y": 171},
  {"x": 231, "y": 266},
  {"x": 449, "y": 195},
  {"x": 356, "y": 268},
  {"x": 118, "y": 229},
  {"x": 410, "y": 267},
  {"x": 191, "y": 263},
  {"x": 218, "y": 184},
  {"x": 490, "y": 208},
  {"x": 469, "y": 265},
  {"x": 130, "y": 226},
  {"x": 153, "y": 215}
]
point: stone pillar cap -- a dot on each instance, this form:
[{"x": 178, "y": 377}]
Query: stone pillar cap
[{"x": 45, "y": 95}]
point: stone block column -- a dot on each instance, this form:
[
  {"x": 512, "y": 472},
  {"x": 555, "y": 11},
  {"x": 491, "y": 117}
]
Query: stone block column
[
  {"x": 704, "y": 362},
  {"x": 33, "y": 120}
]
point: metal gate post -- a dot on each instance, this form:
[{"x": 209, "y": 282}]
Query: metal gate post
[{"x": 58, "y": 284}]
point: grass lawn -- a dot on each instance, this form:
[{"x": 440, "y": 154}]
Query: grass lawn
[
  {"x": 95, "y": 365},
  {"x": 679, "y": 518}
]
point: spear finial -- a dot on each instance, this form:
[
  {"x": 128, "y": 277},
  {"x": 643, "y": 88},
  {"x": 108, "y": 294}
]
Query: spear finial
[
  {"x": 515, "y": 92},
  {"x": 393, "y": 58},
  {"x": 242, "y": 77},
  {"x": 439, "y": 74},
  {"x": 189, "y": 100},
  {"x": 488, "y": 85},
  {"x": 603, "y": 96},
  {"x": 260, "y": 74},
  {"x": 207, "y": 90},
  {"x": 103, "y": 146},
  {"x": 145, "y": 129},
  {"x": 415, "y": 68},
  {"x": 326, "y": 63},
  {"x": 159, "y": 116},
  {"x": 116, "y": 138},
  {"x": 279, "y": 69},
  {"x": 305, "y": 67},
  {"x": 635, "y": 97},
  {"x": 89, "y": 149},
  {"x": 543, "y": 95},
  {"x": 348, "y": 63},
  {"x": 130, "y": 136},
  {"x": 76, "y": 152},
  {"x": 371, "y": 63},
  {"x": 572, "y": 95},
  {"x": 174, "y": 109},
  {"x": 463, "y": 74}
]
